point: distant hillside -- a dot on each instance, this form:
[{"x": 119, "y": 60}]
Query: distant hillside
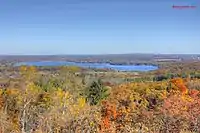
[{"x": 111, "y": 58}]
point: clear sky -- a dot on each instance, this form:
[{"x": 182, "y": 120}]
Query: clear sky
[{"x": 98, "y": 26}]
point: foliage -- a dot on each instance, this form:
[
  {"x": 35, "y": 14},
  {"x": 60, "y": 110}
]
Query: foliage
[
  {"x": 53, "y": 104},
  {"x": 96, "y": 92}
]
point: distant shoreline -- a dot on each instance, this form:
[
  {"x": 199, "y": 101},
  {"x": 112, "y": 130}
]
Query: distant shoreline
[{"x": 114, "y": 59}]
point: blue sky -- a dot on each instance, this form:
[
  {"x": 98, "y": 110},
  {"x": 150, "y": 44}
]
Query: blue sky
[{"x": 98, "y": 26}]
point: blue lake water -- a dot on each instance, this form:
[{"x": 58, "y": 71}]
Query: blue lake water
[{"x": 91, "y": 65}]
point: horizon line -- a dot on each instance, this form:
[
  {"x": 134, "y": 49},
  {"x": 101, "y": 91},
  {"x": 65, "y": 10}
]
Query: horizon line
[{"x": 99, "y": 54}]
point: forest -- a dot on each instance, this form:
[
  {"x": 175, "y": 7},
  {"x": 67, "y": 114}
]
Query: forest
[{"x": 67, "y": 100}]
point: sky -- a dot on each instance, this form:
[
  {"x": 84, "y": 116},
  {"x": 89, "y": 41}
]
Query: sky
[{"x": 49, "y": 27}]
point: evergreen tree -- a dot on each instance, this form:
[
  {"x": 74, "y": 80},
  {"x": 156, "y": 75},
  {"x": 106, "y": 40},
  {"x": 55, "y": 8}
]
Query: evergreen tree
[{"x": 96, "y": 92}]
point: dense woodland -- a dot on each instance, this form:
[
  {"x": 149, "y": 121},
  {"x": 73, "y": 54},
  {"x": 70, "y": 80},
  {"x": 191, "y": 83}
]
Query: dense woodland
[{"x": 73, "y": 100}]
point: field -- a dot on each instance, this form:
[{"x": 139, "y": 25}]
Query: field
[{"x": 76, "y": 100}]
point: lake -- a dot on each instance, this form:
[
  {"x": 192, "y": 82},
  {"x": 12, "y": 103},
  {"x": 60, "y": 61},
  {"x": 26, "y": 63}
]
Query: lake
[{"x": 91, "y": 65}]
